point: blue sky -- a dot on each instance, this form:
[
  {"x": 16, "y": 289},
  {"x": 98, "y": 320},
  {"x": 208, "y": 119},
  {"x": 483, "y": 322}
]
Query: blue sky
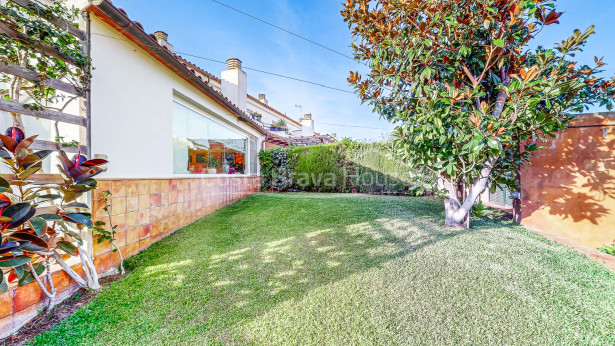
[{"x": 204, "y": 28}]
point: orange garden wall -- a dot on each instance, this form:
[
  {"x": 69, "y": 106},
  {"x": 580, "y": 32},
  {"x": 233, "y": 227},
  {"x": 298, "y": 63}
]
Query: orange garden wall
[
  {"x": 145, "y": 211},
  {"x": 569, "y": 190}
]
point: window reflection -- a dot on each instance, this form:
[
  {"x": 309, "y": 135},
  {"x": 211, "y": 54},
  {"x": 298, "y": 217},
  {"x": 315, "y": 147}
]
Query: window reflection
[{"x": 202, "y": 146}]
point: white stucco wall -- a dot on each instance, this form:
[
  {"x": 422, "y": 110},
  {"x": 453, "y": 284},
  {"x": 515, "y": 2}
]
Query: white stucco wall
[{"x": 132, "y": 98}]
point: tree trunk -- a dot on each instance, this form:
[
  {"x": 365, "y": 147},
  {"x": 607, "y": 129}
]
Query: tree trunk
[
  {"x": 456, "y": 211},
  {"x": 451, "y": 207}
]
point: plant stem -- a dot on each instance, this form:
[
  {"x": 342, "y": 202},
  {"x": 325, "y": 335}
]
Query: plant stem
[
  {"x": 70, "y": 271},
  {"x": 90, "y": 269},
  {"x": 51, "y": 295}
]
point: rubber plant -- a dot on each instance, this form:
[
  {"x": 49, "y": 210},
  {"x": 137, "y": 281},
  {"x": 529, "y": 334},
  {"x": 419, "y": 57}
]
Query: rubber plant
[{"x": 42, "y": 222}]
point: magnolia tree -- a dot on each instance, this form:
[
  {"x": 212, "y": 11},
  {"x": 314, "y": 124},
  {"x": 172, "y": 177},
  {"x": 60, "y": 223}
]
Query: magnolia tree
[{"x": 465, "y": 92}]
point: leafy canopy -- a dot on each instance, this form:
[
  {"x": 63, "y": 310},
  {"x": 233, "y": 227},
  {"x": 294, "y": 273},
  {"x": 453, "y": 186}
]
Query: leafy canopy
[{"x": 457, "y": 78}]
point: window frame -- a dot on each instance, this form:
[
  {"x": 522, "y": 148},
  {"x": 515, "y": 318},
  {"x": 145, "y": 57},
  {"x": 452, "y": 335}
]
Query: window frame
[{"x": 210, "y": 115}]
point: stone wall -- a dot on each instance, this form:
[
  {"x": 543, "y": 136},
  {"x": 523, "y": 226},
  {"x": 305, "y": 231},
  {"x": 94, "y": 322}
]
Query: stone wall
[
  {"x": 145, "y": 211},
  {"x": 569, "y": 190}
]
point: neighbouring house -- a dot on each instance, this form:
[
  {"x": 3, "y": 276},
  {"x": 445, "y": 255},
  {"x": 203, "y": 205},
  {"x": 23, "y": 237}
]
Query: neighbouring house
[{"x": 569, "y": 190}]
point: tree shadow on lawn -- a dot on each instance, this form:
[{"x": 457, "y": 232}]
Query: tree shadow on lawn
[{"x": 181, "y": 289}]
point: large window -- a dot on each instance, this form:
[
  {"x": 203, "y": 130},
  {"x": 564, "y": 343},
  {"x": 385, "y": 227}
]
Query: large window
[{"x": 202, "y": 146}]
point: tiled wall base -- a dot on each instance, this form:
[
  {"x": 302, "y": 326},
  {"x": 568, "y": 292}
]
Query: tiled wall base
[{"x": 145, "y": 211}]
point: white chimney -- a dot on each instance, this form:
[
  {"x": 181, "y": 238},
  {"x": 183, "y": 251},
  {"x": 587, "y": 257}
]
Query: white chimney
[
  {"x": 235, "y": 84},
  {"x": 161, "y": 38},
  {"x": 262, "y": 98},
  {"x": 307, "y": 125}
]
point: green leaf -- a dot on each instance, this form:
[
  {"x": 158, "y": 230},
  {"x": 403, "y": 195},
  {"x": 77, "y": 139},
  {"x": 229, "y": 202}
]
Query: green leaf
[
  {"x": 4, "y": 185},
  {"x": 541, "y": 117},
  {"x": 68, "y": 248},
  {"x": 35, "y": 243},
  {"x": 12, "y": 261},
  {"x": 499, "y": 43},
  {"x": 79, "y": 218},
  {"x": 3, "y": 286},
  {"x": 38, "y": 224},
  {"x": 51, "y": 217},
  {"x": 493, "y": 144},
  {"x": 49, "y": 197},
  {"x": 28, "y": 172},
  {"x": 17, "y": 211},
  {"x": 27, "y": 276}
]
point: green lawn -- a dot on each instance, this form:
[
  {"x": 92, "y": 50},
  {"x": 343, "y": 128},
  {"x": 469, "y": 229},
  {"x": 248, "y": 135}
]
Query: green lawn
[{"x": 341, "y": 269}]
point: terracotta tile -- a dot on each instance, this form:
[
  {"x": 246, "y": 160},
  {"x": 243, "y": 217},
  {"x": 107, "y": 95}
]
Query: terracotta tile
[
  {"x": 145, "y": 243},
  {"x": 119, "y": 221},
  {"x": 103, "y": 262},
  {"x": 164, "y": 199},
  {"x": 97, "y": 208},
  {"x": 155, "y": 228},
  {"x": 154, "y": 214},
  {"x": 132, "y": 235},
  {"x": 173, "y": 197},
  {"x": 144, "y": 202},
  {"x": 115, "y": 259},
  {"x": 132, "y": 219},
  {"x": 164, "y": 185},
  {"x": 172, "y": 211},
  {"x": 173, "y": 185},
  {"x": 26, "y": 296},
  {"x": 6, "y": 303},
  {"x": 144, "y": 231},
  {"x": 61, "y": 281},
  {"x": 144, "y": 216},
  {"x": 132, "y": 203},
  {"x": 144, "y": 186},
  {"x": 101, "y": 248},
  {"x": 118, "y": 205},
  {"x": 118, "y": 188},
  {"x": 132, "y": 187},
  {"x": 102, "y": 185},
  {"x": 164, "y": 225},
  {"x": 130, "y": 250},
  {"x": 155, "y": 200},
  {"x": 164, "y": 212},
  {"x": 154, "y": 186},
  {"x": 120, "y": 238}
]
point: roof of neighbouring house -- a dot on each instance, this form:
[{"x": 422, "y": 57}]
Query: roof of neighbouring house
[
  {"x": 133, "y": 30},
  {"x": 299, "y": 141},
  {"x": 274, "y": 110}
]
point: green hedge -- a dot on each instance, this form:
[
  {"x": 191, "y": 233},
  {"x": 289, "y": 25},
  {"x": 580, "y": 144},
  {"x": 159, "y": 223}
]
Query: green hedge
[{"x": 340, "y": 167}]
